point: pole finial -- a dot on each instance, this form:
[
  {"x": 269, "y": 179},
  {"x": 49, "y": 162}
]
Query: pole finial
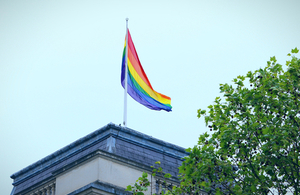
[{"x": 127, "y": 19}]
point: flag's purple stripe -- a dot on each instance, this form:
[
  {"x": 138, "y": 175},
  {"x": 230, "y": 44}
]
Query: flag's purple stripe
[{"x": 138, "y": 95}]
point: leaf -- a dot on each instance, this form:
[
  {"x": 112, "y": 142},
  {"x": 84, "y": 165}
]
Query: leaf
[
  {"x": 240, "y": 83},
  {"x": 273, "y": 59},
  {"x": 129, "y": 188},
  {"x": 203, "y": 184},
  {"x": 144, "y": 174},
  {"x": 218, "y": 192},
  {"x": 253, "y": 188},
  {"x": 265, "y": 130},
  {"x": 295, "y": 50}
]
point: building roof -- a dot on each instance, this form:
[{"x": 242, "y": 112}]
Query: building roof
[{"x": 113, "y": 142}]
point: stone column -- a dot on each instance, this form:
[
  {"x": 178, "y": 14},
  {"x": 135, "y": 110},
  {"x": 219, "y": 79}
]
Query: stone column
[
  {"x": 52, "y": 189},
  {"x": 48, "y": 190},
  {"x": 158, "y": 186}
]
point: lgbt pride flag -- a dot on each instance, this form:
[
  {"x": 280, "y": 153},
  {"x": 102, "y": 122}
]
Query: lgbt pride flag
[{"x": 139, "y": 87}]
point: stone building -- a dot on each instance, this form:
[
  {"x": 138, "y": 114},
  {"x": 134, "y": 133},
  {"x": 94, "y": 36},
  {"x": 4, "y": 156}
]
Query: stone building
[{"x": 103, "y": 162}]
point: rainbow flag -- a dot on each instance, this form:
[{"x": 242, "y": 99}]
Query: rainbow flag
[{"x": 139, "y": 87}]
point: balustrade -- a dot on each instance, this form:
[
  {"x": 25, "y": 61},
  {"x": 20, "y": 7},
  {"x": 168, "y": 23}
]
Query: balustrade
[
  {"x": 161, "y": 185},
  {"x": 45, "y": 190}
]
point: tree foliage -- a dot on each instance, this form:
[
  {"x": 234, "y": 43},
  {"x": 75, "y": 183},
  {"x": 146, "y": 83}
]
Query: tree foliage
[
  {"x": 253, "y": 146},
  {"x": 141, "y": 185}
]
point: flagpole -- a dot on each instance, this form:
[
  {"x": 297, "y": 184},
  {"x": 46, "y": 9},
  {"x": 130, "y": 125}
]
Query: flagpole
[{"x": 125, "y": 84}]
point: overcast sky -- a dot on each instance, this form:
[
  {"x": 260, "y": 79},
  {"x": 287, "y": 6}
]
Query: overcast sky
[{"x": 60, "y": 66}]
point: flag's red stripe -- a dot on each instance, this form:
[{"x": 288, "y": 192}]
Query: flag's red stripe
[{"x": 134, "y": 59}]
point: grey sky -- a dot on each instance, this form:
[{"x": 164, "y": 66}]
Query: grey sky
[{"x": 60, "y": 65}]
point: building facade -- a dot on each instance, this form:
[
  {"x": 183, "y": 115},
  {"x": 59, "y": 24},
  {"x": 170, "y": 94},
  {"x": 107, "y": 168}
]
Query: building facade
[{"x": 103, "y": 162}]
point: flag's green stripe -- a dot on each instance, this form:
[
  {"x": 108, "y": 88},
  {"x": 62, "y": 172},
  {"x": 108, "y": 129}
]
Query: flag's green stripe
[{"x": 141, "y": 89}]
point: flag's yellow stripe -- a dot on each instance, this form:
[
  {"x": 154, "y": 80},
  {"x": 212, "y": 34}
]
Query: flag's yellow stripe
[{"x": 146, "y": 88}]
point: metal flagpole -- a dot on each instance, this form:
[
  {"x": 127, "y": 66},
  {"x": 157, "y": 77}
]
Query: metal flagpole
[{"x": 126, "y": 69}]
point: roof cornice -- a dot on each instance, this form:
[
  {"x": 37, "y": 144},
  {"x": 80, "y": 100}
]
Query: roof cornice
[{"x": 93, "y": 138}]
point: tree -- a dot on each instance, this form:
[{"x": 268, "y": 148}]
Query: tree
[{"x": 253, "y": 146}]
